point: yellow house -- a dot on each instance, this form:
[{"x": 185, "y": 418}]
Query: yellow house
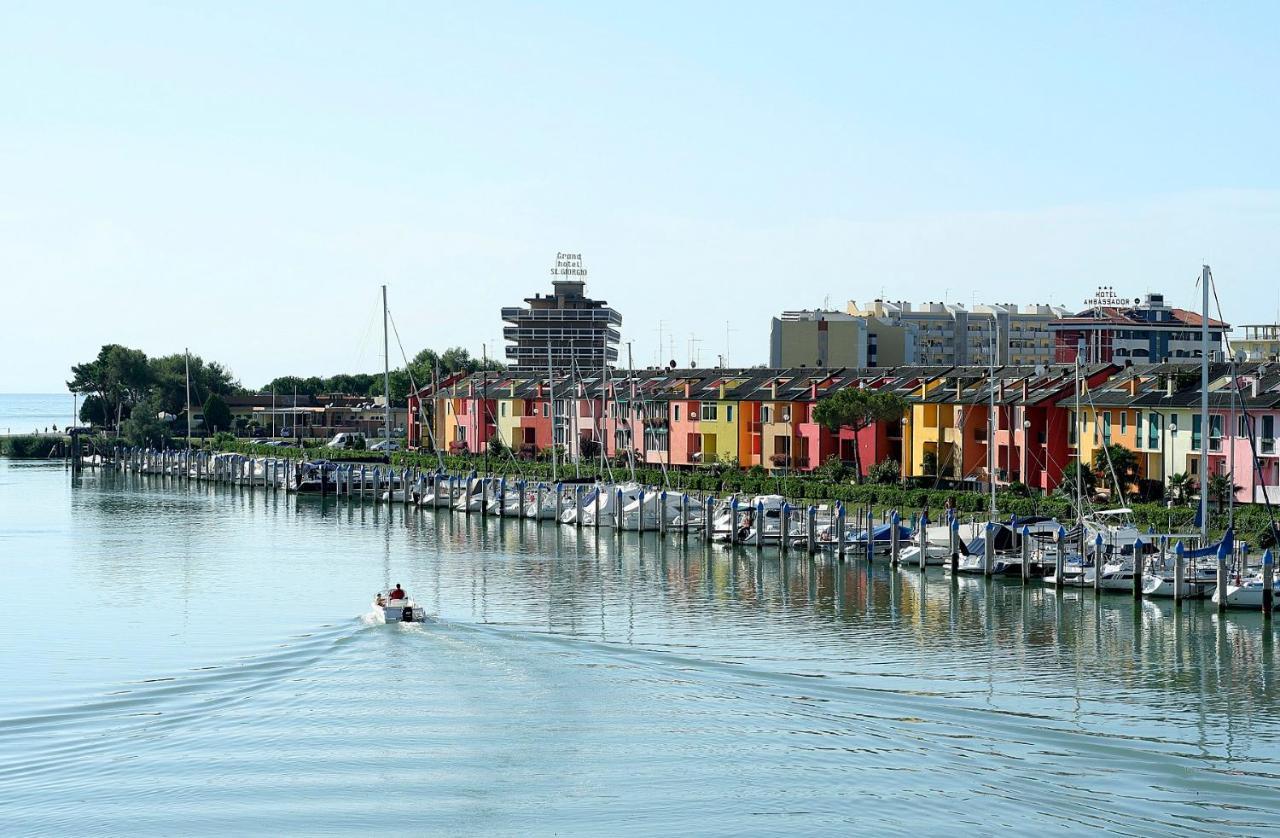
[{"x": 929, "y": 430}]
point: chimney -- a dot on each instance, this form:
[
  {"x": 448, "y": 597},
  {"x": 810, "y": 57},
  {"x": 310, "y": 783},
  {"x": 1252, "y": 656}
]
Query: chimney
[
  {"x": 1168, "y": 384},
  {"x": 773, "y": 389},
  {"x": 1133, "y": 385},
  {"x": 1253, "y": 387},
  {"x": 1024, "y": 390}
]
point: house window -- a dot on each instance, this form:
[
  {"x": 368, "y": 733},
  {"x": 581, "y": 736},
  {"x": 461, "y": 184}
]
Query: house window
[
  {"x": 1106, "y": 428},
  {"x": 1071, "y": 428},
  {"x": 766, "y": 413},
  {"x": 1153, "y": 431},
  {"x": 546, "y": 408},
  {"x": 675, "y": 412},
  {"x": 709, "y": 411},
  {"x": 1215, "y": 432},
  {"x": 502, "y": 409},
  {"x": 1268, "y": 434},
  {"x": 1195, "y": 432},
  {"x": 1137, "y": 427},
  {"x": 1124, "y": 421},
  {"x": 728, "y": 413}
]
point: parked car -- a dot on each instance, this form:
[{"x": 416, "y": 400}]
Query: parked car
[
  {"x": 385, "y": 446},
  {"x": 346, "y": 440}
]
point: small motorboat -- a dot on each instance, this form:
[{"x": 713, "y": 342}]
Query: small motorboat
[{"x": 400, "y": 609}]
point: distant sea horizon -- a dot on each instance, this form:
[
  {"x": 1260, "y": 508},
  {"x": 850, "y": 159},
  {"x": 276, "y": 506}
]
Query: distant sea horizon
[{"x": 22, "y": 413}]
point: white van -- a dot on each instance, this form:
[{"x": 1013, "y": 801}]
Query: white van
[{"x": 346, "y": 440}]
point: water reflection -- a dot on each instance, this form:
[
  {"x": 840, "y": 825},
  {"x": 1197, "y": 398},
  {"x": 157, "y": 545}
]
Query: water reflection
[{"x": 964, "y": 673}]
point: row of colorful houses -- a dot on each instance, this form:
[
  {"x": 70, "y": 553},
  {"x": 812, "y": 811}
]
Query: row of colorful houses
[{"x": 765, "y": 417}]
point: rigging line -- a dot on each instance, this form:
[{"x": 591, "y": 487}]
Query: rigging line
[
  {"x": 1248, "y": 418},
  {"x": 414, "y": 386},
  {"x": 1106, "y": 452}
]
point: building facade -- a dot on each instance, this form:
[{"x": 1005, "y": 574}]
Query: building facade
[
  {"x": 1258, "y": 342},
  {"x": 565, "y": 329},
  {"x": 825, "y": 339},
  {"x": 949, "y": 334},
  {"x": 1147, "y": 332}
]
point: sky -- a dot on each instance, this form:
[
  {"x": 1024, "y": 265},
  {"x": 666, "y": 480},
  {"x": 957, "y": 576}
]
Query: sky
[{"x": 241, "y": 178}]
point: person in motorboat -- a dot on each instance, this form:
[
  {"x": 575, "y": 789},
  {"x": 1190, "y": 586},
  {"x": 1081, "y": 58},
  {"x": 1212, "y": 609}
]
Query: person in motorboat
[{"x": 397, "y": 593}]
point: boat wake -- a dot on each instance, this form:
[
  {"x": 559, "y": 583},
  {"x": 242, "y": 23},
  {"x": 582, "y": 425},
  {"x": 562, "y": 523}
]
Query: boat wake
[{"x": 43, "y": 742}]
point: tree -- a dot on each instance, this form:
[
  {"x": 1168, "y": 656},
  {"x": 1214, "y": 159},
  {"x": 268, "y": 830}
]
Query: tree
[
  {"x": 120, "y": 376},
  {"x": 1067, "y": 487},
  {"x": 217, "y": 416},
  {"x": 1122, "y": 460},
  {"x": 1181, "y": 487},
  {"x": 1222, "y": 486},
  {"x": 857, "y": 408},
  {"x": 144, "y": 427},
  {"x": 169, "y": 380},
  {"x": 93, "y": 411},
  {"x": 886, "y": 471}
]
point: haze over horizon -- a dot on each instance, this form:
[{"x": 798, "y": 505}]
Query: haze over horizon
[{"x": 240, "y": 180}]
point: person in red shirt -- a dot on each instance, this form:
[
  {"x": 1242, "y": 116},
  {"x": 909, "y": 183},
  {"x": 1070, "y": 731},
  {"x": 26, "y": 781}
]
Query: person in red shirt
[{"x": 397, "y": 593}]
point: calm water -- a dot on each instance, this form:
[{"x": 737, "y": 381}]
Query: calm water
[
  {"x": 22, "y": 413},
  {"x": 209, "y": 669}
]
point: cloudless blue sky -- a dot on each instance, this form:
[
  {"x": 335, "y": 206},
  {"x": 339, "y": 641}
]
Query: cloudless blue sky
[{"x": 240, "y": 178}]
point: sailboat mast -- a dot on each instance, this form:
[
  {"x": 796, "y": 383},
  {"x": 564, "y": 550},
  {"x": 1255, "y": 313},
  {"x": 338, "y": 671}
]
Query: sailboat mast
[
  {"x": 631, "y": 425},
  {"x": 386, "y": 372},
  {"x": 1079, "y": 444},
  {"x": 551, "y": 388},
  {"x": 187, "y": 353},
  {"x": 1204, "y": 403},
  {"x": 991, "y": 413}
]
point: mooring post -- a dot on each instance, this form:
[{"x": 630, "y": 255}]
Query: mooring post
[
  {"x": 708, "y": 518},
  {"x": 733, "y": 519},
  {"x": 1097, "y": 563},
  {"x": 662, "y": 512},
  {"x": 923, "y": 538},
  {"x": 759, "y": 525},
  {"x": 1026, "y": 554},
  {"x": 684, "y": 514},
  {"x": 988, "y": 564},
  {"x": 599, "y": 499},
  {"x": 895, "y": 539},
  {"x": 871, "y": 520},
  {"x": 811, "y": 528},
  {"x": 953, "y": 541},
  {"x": 840, "y": 533},
  {"x": 1224, "y": 549},
  {"x": 617, "y": 511},
  {"x": 1139, "y": 557},
  {"x": 1179, "y": 572},
  {"x": 1060, "y": 540},
  {"x": 577, "y": 505},
  {"x": 784, "y": 530},
  {"x": 1268, "y": 584}
]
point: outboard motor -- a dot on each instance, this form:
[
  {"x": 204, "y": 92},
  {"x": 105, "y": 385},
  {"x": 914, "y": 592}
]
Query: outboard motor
[{"x": 406, "y": 614}]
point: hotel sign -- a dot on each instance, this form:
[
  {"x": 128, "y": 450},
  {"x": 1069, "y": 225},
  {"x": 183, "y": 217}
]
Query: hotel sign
[
  {"x": 569, "y": 264},
  {"x": 1106, "y": 297}
]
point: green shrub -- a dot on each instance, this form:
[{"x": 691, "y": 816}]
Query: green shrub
[{"x": 32, "y": 446}]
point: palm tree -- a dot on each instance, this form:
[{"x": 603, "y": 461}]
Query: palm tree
[
  {"x": 1221, "y": 486},
  {"x": 1180, "y": 487}
]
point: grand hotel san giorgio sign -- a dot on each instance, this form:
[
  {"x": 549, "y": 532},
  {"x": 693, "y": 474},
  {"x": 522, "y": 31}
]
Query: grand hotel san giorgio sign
[{"x": 570, "y": 265}]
